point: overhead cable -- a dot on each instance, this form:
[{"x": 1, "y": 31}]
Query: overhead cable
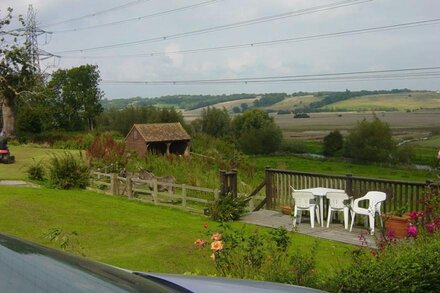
[
  {"x": 269, "y": 43},
  {"x": 183, "y": 8},
  {"x": 315, "y": 9},
  {"x": 132, "y": 3},
  {"x": 403, "y": 73}
]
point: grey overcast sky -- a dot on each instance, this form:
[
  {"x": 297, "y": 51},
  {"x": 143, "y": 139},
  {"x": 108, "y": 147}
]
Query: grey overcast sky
[{"x": 392, "y": 49}]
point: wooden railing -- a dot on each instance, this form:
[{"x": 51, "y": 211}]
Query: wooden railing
[
  {"x": 160, "y": 193},
  {"x": 399, "y": 193}
]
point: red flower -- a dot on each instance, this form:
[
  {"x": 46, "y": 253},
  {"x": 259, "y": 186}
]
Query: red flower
[
  {"x": 430, "y": 227},
  {"x": 413, "y": 215}
]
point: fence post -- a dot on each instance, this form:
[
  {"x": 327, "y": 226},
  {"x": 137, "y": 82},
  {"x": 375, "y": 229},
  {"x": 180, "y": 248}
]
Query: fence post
[
  {"x": 222, "y": 182},
  {"x": 129, "y": 186},
  {"x": 349, "y": 184},
  {"x": 183, "y": 195},
  {"x": 216, "y": 194},
  {"x": 269, "y": 194},
  {"x": 233, "y": 182},
  {"x": 114, "y": 183},
  {"x": 155, "y": 191}
]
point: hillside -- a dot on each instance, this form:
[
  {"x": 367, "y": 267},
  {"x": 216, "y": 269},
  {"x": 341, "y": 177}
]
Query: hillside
[
  {"x": 384, "y": 102},
  {"x": 294, "y": 102}
]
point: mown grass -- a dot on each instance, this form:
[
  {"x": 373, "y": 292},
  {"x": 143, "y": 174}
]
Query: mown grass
[
  {"x": 25, "y": 156},
  {"x": 129, "y": 234}
]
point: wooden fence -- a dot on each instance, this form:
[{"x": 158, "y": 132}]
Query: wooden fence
[
  {"x": 399, "y": 193},
  {"x": 184, "y": 196}
]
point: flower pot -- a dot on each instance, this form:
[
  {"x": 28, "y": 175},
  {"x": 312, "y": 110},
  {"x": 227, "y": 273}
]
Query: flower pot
[
  {"x": 398, "y": 225},
  {"x": 286, "y": 210}
]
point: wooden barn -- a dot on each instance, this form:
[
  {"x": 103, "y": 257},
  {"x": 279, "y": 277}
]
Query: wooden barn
[{"x": 160, "y": 138}]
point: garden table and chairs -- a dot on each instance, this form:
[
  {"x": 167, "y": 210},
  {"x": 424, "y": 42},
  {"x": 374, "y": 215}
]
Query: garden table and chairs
[{"x": 312, "y": 199}]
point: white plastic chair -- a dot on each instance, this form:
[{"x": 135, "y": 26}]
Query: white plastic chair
[
  {"x": 305, "y": 201},
  {"x": 375, "y": 199},
  {"x": 336, "y": 204}
]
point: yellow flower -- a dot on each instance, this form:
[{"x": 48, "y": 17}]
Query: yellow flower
[{"x": 217, "y": 245}]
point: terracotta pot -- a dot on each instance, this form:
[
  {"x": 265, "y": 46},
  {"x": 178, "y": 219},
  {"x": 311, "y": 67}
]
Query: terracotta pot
[
  {"x": 286, "y": 210},
  {"x": 399, "y": 225}
]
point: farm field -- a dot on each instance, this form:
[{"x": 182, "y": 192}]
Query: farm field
[
  {"x": 129, "y": 234},
  {"x": 290, "y": 103},
  {"x": 227, "y": 105},
  {"x": 400, "y": 101},
  {"x": 403, "y": 124}
]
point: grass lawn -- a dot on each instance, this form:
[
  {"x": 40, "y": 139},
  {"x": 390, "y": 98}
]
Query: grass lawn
[
  {"x": 128, "y": 234},
  {"x": 341, "y": 168},
  {"x": 25, "y": 156}
]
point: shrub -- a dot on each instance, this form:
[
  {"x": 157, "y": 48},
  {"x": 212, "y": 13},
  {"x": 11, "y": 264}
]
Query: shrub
[
  {"x": 293, "y": 147},
  {"x": 239, "y": 253},
  {"x": 333, "y": 142},
  {"x": 105, "y": 151},
  {"x": 227, "y": 208},
  {"x": 66, "y": 171},
  {"x": 409, "y": 266},
  {"x": 36, "y": 171},
  {"x": 370, "y": 142}
]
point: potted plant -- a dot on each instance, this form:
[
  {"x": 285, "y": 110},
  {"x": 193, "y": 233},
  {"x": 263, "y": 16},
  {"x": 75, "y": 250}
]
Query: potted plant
[
  {"x": 398, "y": 222},
  {"x": 287, "y": 210}
]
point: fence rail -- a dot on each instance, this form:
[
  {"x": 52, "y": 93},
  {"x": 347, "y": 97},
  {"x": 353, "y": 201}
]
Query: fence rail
[
  {"x": 399, "y": 193},
  {"x": 192, "y": 198}
]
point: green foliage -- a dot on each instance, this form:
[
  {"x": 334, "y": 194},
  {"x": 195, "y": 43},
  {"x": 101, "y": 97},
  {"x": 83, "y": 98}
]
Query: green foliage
[
  {"x": 227, "y": 208},
  {"x": 236, "y": 110},
  {"x": 122, "y": 120},
  {"x": 36, "y": 171},
  {"x": 301, "y": 115},
  {"x": 333, "y": 142},
  {"x": 215, "y": 122},
  {"x": 293, "y": 147},
  {"x": 67, "y": 241},
  {"x": 66, "y": 172},
  {"x": 76, "y": 97},
  {"x": 269, "y": 99},
  {"x": 409, "y": 266},
  {"x": 256, "y": 132},
  {"x": 370, "y": 142},
  {"x": 239, "y": 253}
]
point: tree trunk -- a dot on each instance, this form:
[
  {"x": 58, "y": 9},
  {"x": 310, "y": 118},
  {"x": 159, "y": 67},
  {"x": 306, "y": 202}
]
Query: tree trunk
[{"x": 8, "y": 115}]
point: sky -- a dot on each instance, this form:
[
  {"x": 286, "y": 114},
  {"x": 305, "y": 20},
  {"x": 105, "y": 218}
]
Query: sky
[{"x": 392, "y": 49}]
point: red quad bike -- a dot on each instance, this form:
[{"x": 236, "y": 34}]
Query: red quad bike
[{"x": 5, "y": 156}]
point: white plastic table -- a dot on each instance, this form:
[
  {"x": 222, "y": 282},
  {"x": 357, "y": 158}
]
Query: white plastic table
[{"x": 321, "y": 192}]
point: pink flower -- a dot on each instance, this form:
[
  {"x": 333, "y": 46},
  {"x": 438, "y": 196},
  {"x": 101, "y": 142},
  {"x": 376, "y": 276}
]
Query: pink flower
[
  {"x": 200, "y": 242},
  {"x": 420, "y": 214},
  {"x": 412, "y": 231},
  {"x": 390, "y": 234},
  {"x": 413, "y": 216},
  {"x": 216, "y": 237},
  {"x": 430, "y": 227}
]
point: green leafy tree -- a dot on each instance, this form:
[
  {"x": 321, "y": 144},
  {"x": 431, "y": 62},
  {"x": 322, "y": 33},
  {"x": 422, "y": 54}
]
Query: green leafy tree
[
  {"x": 333, "y": 142},
  {"x": 370, "y": 142},
  {"x": 76, "y": 97},
  {"x": 215, "y": 122},
  {"x": 256, "y": 132},
  {"x": 17, "y": 71}
]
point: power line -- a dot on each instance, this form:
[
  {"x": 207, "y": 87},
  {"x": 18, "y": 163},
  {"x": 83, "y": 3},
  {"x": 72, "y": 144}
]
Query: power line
[
  {"x": 272, "y": 42},
  {"x": 315, "y": 9},
  {"x": 403, "y": 73},
  {"x": 132, "y": 3},
  {"x": 188, "y": 7}
]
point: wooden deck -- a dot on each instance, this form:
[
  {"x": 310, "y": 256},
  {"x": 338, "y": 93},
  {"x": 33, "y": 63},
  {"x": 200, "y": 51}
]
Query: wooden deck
[{"x": 335, "y": 232}]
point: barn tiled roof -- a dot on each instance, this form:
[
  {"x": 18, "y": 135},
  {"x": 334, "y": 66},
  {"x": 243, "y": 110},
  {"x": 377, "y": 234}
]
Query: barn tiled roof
[{"x": 162, "y": 132}]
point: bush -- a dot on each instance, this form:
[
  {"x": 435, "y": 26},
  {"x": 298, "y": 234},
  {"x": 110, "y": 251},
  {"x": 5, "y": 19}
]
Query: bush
[
  {"x": 370, "y": 142},
  {"x": 404, "y": 267},
  {"x": 293, "y": 147},
  {"x": 333, "y": 142},
  {"x": 227, "y": 208},
  {"x": 238, "y": 253},
  {"x": 36, "y": 171},
  {"x": 105, "y": 151},
  {"x": 66, "y": 171}
]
